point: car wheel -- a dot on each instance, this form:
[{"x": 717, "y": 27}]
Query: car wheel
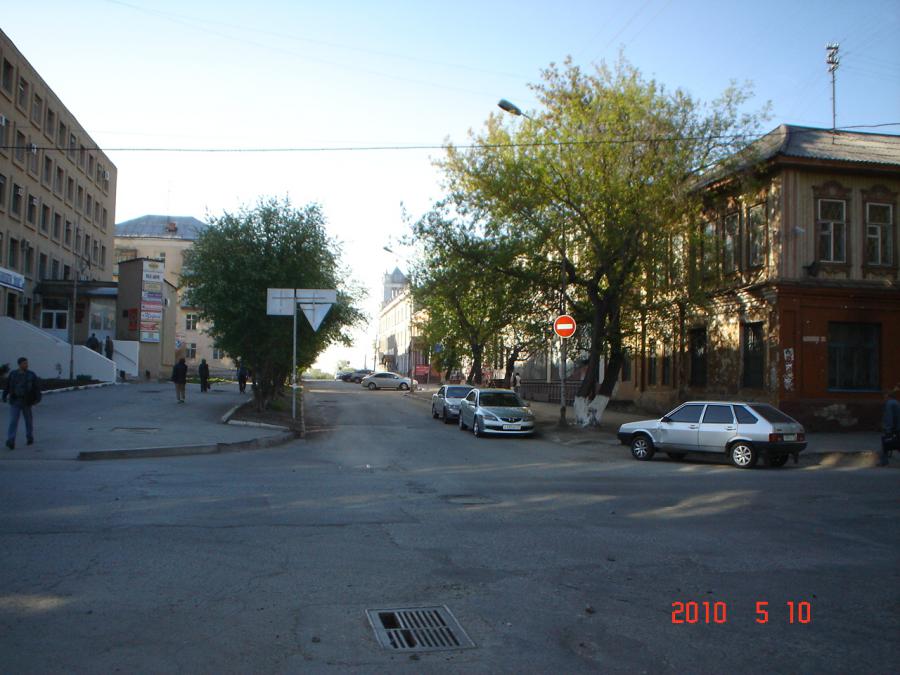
[
  {"x": 478, "y": 427},
  {"x": 372, "y": 386},
  {"x": 444, "y": 415},
  {"x": 642, "y": 447},
  {"x": 677, "y": 456},
  {"x": 434, "y": 412},
  {"x": 777, "y": 461},
  {"x": 403, "y": 386},
  {"x": 743, "y": 455},
  {"x": 462, "y": 425}
]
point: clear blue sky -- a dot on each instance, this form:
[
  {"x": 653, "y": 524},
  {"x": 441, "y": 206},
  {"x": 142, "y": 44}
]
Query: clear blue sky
[{"x": 305, "y": 74}]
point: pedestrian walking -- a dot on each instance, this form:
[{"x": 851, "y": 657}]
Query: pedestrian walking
[
  {"x": 93, "y": 343},
  {"x": 108, "y": 347},
  {"x": 517, "y": 382},
  {"x": 203, "y": 370},
  {"x": 23, "y": 390},
  {"x": 179, "y": 377},
  {"x": 242, "y": 378},
  {"x": 890, "y": 439}
]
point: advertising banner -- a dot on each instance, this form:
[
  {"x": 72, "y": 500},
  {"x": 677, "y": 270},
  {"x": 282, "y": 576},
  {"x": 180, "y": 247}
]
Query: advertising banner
[{"x": 152, "y": 300}]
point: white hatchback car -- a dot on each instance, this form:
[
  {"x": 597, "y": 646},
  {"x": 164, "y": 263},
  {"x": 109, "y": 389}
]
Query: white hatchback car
[
  {"x": 742, "y": 431},
  {"x": 387, "y": 381}
]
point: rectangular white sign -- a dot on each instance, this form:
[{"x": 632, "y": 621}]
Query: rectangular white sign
[{"x": 280, "y": 301}]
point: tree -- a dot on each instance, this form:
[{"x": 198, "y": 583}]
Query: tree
[
  {"x": 467, "y": 304},
  {"x": 273, "y": 245},
  {"x": 597, "y": 181}
]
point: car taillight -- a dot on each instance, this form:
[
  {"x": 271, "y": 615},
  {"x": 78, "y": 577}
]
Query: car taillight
[
  {"x": 801, "y": 437},
  {"x": 776, "y": 438}
]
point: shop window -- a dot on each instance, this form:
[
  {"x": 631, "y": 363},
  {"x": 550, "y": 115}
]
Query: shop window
[{"x": 853, "y": 356}]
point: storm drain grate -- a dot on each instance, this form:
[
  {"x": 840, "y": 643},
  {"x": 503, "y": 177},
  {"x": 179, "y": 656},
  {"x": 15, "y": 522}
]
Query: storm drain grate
[{"x": 418, "y": 629}]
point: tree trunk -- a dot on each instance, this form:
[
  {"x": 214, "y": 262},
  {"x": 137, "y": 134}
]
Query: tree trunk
[{"x": 475, "y": 370}]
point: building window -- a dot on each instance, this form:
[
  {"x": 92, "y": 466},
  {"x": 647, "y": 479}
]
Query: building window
[
  {"x": 753, "y": 352},
  {"x": 651, "y": 364},
  {"x": 22, "y": 98},
  {"x": 12, "y": 259},
  {"x": 191, "y": 351},
  {"x": 162, "y": 256},
  {"x": 79, "y": 201},
  {"x": 218, "y": 354},
  {"x": 47, "y": 176},
  {"x": 832, "y": 227},
  {"x": 8, "y": 76},
  {"x": 61, "y": 134},
  {"x": 67, "y": 272},
  {"x": 18, "y": 194},
  {"x": 58, "y": 180},
  {"x": 37, "y": 109},
  {"x": 626, "y": 366},
  {"x": 697, "y": 346},
  {"x": 70, "y": 190},
  {"x": 21, "y": 142},
  {"x": 68, "y": 240},
  {"x": 708, "y": 249},
  {"x": 50, "y": 123},
  {"x": 45, "y": 218},
  {"x": 54, "y": 269},
  {"x": 4, "y": 135},
  {"x": 103, "y": 257},
  {"x": 31, "y": 210},
  {"x": 2, "y": 192},
  {"x": 879, "y": 234},
  {"x": 853, "y": 356},
  {"x": 190, "y": 322},
  {"x": 756, "y": 235},
  {"x": 28, "y": 257},
  {"x": 42, "y": 266},
  {"x": 730, "y": 238},
  {"x": 667, "y": 364},
  {"x": 57, "y": 225},
  {"x": 73, "y": 143}
]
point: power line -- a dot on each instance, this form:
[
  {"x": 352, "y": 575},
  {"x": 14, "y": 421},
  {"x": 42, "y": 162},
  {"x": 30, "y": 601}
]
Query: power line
[{"x": 462, "y": 146}]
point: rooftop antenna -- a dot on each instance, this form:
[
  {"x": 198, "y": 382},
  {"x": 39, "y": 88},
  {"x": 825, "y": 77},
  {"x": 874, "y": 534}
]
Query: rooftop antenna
[{"x": 833, "y": 62}]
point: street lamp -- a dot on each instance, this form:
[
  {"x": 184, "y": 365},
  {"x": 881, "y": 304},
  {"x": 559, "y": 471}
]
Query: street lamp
[
  {"x": 79, "y": 266},
  {"x": 513, "y": 109}
]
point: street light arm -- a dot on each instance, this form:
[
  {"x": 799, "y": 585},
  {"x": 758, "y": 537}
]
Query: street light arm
[{"x": 511, "y": 108}]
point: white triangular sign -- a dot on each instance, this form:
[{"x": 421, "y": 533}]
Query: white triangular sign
[{"x": 314, "y": 313}]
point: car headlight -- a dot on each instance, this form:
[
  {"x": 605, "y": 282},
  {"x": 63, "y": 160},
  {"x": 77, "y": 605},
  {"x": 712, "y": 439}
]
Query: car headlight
[{"x": 490, "y": 416}]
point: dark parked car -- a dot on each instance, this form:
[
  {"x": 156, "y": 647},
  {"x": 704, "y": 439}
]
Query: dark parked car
[{"x": 356, "y": 375}]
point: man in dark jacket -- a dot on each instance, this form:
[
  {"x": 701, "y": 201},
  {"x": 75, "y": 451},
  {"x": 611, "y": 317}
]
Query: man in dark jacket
[
  {"x": 23, "y": 390},
  {"x": 109, "y": 348},
  {"x": 890, "y": 439},
  {"x": 179, "y": 377},
  {"x": 203, "y": 371}
]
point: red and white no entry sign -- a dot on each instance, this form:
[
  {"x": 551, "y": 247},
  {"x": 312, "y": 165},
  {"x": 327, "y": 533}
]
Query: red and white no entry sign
[{"x": 564, "y": 326}]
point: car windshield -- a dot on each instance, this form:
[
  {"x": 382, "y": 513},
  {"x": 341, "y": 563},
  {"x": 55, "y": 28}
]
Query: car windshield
[
  {"x": 771, "y": 414},
  {"x": 500, "y": 399},
  {"x": 457, "y": 392}
]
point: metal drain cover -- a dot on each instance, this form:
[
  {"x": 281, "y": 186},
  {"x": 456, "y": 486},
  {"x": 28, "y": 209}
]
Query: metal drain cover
[{"x": 418, "y": 629}]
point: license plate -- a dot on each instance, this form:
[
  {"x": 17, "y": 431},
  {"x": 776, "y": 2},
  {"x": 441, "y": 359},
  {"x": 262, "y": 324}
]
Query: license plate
[
  {"x": 790, "y": 437},
  {"x": 512, "y": 427}
]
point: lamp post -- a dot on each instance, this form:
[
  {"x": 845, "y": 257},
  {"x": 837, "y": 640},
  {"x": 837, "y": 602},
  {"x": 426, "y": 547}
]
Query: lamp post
[
  {"x": 77, "y": 268},
  {"x": 513, "y": 109}
]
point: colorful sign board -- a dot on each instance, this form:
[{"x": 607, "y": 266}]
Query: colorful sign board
[
  {"x": 152, "y": 300},
  {"x": 564, "y": 326}
]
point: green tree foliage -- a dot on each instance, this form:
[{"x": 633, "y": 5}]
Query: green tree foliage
[
  {"x": 468, "y": 286},
  {"x": 598, "y": 181},
  {"x": 273, "y": 245}
]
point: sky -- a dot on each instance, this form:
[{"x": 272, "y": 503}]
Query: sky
[{"x": 329, "y": 85}]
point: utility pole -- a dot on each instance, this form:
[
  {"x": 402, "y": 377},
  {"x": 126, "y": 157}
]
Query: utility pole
[{"x": 833, "y": 62}]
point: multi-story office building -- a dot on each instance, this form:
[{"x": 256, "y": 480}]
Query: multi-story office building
[
  {"x": 166, "y": 238},
  {"x": 57, "y": 207}
]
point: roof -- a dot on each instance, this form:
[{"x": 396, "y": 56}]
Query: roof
[
  {"x": 847, "y": 146},
  {"x": 858, "y": 148},
  {"x": 397, "y": 277},
  {"x": 160, "y": 227}
]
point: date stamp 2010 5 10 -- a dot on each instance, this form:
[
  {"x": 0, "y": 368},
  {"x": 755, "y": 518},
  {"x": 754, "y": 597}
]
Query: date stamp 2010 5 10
[{"x": 706, "y": 612}]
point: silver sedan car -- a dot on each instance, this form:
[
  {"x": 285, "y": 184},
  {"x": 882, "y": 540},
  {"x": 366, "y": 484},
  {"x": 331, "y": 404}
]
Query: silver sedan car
[
  {"x": 387, "y": 381},
  {"x": 445, "y": 401},
  {"x": 742, "y": 431},
  {"x": 495, "y": 411}
]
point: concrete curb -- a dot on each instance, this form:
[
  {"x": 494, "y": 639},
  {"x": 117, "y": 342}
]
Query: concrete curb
[
  {"x": 186, "y": 450},
  {"x": 85, "y": 386}
]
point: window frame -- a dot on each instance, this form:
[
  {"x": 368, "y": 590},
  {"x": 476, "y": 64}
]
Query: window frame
[{"x": 755, "y": 378}]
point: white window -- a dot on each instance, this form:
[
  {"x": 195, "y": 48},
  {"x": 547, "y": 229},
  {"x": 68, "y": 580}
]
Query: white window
[
  {"x": 879, "y": 234},
  {"x": 832, "y": 224},
  {"x": 190, "y": 322},
  {"x": 192, "y": 351}
]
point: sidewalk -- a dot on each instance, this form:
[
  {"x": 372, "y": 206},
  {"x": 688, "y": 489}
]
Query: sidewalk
[
  {"x": 865, "y": 443},
  {"x": 135, "y": 419}
]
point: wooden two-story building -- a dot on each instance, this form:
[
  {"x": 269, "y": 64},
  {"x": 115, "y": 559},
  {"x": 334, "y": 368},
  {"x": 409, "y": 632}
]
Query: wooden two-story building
[{"x": 793, "y": 290}]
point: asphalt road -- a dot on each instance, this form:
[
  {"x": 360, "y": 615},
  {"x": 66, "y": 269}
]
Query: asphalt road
[{"x": 554, "y": 558}]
